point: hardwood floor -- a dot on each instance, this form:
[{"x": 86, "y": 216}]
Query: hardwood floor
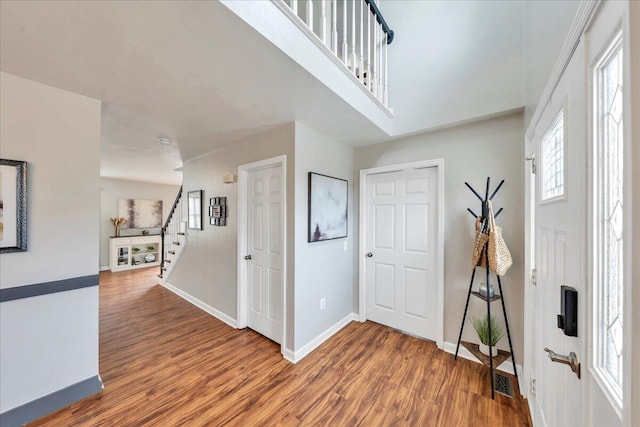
[{"x": 165, "y": 362}]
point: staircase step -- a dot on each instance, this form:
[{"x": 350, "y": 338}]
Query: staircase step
[
  {"x": 172, "y": 252},
  {"x": 176, "y": 243},
  {"x": 167, "y": 260},
  {"x": 163, "y": 268},
  {"x": 181, "y": 233},
  {"x": 160, "y": 276}
]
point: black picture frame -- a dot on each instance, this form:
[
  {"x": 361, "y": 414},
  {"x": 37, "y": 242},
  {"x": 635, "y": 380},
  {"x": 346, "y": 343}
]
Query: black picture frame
[
  {"x": 194, "y": 206},
  {"x": 13, "y": 198},
  {"x": 328, "y": 208}
]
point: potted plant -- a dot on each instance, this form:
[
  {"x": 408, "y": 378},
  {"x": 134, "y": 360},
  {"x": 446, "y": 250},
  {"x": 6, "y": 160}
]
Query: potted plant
[
  {"x": 135, "y": 249},
  {"x": 489, "y": 332},
  {"x": 151, "y": 248}
]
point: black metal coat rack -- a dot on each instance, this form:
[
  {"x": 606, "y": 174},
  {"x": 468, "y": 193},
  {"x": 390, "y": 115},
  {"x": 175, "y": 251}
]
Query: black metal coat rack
[{"x": 474, "y": 348}]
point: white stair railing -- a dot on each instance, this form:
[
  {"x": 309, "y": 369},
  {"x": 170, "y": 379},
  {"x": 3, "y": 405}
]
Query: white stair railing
[
  {"x": 174, "y": 237},
  {"x": 363, "y": 31}
]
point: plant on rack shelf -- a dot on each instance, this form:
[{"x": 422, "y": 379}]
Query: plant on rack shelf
[
  {"x": 489, "y": 332},
  {"x": 135, "y": 249},
  {"x": 151, "y": 248}
]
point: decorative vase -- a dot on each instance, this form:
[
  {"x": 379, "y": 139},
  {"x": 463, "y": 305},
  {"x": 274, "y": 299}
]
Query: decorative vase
[
  {"x": 117, "y": 231},
  {"x": 484, "y": 349},
  {"x": 487, "y": 293}
]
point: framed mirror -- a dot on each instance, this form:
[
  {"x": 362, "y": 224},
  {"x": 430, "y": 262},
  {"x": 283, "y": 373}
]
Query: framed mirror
[
  {"x": 13, "y": 206},
  {"x": 194, "y": 199}
]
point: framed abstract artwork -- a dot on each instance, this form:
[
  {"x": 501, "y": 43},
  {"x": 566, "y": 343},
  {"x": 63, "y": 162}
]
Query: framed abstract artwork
[{"x": 328, "y": 198}]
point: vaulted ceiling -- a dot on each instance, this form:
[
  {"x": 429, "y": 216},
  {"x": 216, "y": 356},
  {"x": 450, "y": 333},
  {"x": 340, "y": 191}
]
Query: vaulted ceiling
[{"x": 194, "y": 72}]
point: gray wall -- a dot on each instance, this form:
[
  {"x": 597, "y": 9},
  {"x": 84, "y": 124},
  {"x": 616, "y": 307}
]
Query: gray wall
[
  {"x": 113, "y": 189},
  {"x": 546, "y": 25},
  {"x": 322, "y": 269},
  {"x": 471, "y": 152},
  {"x": 207, "y": 268},
  {"x": 49, "y": 342}
]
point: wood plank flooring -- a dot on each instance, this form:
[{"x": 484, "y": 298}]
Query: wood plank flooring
[{"x": 165, "y": 362}]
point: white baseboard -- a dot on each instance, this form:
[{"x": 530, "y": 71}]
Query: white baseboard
[
  {"x": 107, "y": 268},
  {"x": 201, "y": 305},
  {"x": 296, "y": 356},
  {"x": 289, "y": 355},
  {"x": 506, "y": 366}
]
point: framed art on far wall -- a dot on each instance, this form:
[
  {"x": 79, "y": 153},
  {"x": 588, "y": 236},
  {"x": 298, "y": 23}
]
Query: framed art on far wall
[
  {"x": 327, "y": 207},
  {"x": 13, "y": 206}
]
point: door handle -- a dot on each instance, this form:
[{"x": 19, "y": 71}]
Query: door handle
[
  {"x": 571, "y": 360},
  {"x": 247, "y": 257},
  {"x": 369, "y": 254}
]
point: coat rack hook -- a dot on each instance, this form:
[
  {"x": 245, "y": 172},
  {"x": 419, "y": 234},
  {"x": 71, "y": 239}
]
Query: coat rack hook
[
  {"x": 496, "y": 190},
  {"x": 498, "y": 213},
  {"x": 474, "y": 191},
  {"x": 486, "y": 191},
  {"x": 472, "y": 213}
]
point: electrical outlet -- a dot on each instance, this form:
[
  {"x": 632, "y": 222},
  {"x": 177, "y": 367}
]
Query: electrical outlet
[
  {"x": 533, "y": 386},
  {"x": 323, "y": 303}
]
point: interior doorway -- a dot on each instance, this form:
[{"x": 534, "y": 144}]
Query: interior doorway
[
  {"x": 402, "y": 247},
  {"x": 262, "y": 247}
]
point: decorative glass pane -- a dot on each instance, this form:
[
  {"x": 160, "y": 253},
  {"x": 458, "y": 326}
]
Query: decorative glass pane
[
  {"x": 609, "y": 217},
  {"x": 552, "y": 161}
]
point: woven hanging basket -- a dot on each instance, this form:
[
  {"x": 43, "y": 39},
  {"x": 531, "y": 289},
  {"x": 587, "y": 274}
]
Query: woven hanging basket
[{"x": 499, "y": 256}]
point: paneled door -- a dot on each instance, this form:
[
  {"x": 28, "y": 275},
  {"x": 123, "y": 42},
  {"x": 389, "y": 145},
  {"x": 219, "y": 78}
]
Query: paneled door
[
  {"x": 264, "y": 270},
  {"x": 401, "y": 244},
  {"x": 560, "y": 242},
  {"x": 579, "y": 233}
]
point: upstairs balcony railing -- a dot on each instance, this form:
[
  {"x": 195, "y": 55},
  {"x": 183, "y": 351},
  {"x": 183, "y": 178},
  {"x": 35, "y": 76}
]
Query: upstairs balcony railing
[{"x": 355, "y": 32}]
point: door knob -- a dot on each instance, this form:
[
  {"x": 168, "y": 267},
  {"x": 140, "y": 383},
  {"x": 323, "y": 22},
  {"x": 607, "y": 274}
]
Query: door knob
[
  {"x": 369, "y": 254},
  {"x": 571, "y": 360},
  {"x": 247, "y": 257}
]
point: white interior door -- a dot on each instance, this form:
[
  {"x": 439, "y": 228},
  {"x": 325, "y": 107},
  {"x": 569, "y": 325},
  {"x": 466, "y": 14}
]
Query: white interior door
[
  {"x": 265, "y": 252},
  {"x": 401, "y": 244}
]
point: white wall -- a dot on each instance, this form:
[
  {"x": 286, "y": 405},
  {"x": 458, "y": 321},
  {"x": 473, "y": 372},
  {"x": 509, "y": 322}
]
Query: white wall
[
  {"x": 207, "y": 268},
  {"x": 322, "y": 269},
  {"x": 113, "y": 189},
  {"x": 471, "y": 153},
  {"x": 546, "y": 25},
  {"x": 50, "y": 342},
  {"x": 452, "y": 61}
]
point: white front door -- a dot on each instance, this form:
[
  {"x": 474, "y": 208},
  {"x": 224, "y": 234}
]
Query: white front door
[
  {"x": 265, "y": 252},
  {"x": 564, "y": 218},
  {"x": 401, "y": 245},
  {"x": 560, "y": 220}
]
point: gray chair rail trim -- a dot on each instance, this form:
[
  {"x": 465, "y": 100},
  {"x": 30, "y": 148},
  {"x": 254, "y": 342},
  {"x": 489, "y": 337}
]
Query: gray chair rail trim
[{"x": 37, "y": 289}]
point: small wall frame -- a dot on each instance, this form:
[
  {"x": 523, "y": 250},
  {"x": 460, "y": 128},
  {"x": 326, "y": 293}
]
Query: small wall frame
[{"x": 218, "y": 211}]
